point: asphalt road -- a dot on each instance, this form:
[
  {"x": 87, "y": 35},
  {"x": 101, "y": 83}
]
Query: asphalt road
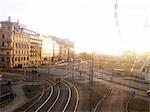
[{"x": 116, "y": 102}]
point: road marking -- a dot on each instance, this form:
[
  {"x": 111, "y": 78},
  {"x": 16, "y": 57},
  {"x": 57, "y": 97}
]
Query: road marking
[
  {"x": 99, "y": 103},
  {"x": 104, "y": 97},
  {"x": 127, "y": 104}
]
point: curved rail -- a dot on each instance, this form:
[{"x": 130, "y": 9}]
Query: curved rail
[
  {"x": 68, "y": 97},
  {"x": 58, "y": 95},
  {"x": 46, "y": 99},
  {"x": 127, "y": 105},
  {"x": 77, "y": 101},
  {"x": 38, "y": 98}
]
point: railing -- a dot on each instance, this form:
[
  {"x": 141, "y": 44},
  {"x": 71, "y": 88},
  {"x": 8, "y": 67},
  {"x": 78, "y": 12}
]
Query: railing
[
  {"x": 6, "y": 97},
  {"x": 6, "y": 47}
]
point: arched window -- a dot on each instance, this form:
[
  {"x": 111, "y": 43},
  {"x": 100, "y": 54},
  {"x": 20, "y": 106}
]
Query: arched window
[
  {"x": 2, "y": 43},
  {"x": 3, "y": 36}
]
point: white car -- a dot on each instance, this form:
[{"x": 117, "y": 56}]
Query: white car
[{"x": 148, "y": 92}]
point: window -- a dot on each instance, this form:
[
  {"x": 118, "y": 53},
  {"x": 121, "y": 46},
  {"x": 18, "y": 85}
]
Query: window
[
  {"x": 27, "y": 58},
  {"x": 15, "y": 58},
  {"x": 16, "y": 52},
  {"x": 2, "y": 43},
  {"x": 8, "y": 27},
  {"x": 3, "y": 36},
  {"x": 7, "y": 52},
  {"x": 18, "y": 58},
  {"x": 12, "y": 59},
  {"x": 16, "y": 45},
  {"x": 19, "y": 52},
  {"x": 2, "y": 59},
  {"x": 24, "y": 58},
  {"x": 8, "y": 59},
  {"x": 22, "y": 52}
]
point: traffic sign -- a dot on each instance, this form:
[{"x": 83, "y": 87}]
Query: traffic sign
[{"x": 133, "y": 93}]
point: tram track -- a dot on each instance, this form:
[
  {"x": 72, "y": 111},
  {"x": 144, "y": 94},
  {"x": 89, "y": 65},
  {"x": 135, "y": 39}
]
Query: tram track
[
  {"x": 60, "y": 96},
  {"x": 31, "y": 103}
]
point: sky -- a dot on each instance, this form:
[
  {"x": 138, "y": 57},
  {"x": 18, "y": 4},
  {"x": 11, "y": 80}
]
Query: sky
[{"x": 91, "y": 24}]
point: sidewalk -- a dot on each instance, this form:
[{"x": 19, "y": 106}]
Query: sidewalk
[{"x": 19, "y": 99}]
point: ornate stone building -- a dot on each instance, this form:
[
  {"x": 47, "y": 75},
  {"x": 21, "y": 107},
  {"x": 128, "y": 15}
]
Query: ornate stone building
[{"x": 21, "y": 47}]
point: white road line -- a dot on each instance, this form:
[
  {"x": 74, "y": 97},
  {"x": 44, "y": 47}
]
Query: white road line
[
  {"x": 99, "y": 103},
  {"x": 102, "y": 100},
  {"x": 68, "y": 97},
  {"x": 47, "y": 98},
  {"x": 127, "y": 104},
  {"x": 77, "y": 101}
]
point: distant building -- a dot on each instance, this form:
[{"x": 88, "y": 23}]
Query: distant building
[
  {"x": 35, "y": 50},
  {"x": 21, "y": 50},
  {"x": 17, "y": 45},
  {"x": 56, "y": 49},
  {"x": 21, "y": 47}
]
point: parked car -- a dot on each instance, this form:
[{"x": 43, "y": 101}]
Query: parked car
[{"x": 148, "y": 92}]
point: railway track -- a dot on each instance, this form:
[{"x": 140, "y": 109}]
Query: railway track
[
  {"x": 65, "y": 99},
  {"x": 61, "y": 96},
  {"x": 75, "y": 97},
  {"x": 34, "y": 101}
]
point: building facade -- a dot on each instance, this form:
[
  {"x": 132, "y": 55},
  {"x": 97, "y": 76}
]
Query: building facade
[
  {"x": 18, "y": 46},
  {"x": 21, "y": 47},
  {"x": 6, "y": 44},
  {"x": 56, "y": 49}
]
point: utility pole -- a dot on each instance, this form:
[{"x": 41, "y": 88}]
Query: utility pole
[
  {"x": 68, "y": 54},
  {"x": 53, "y": 52},
  {"x": 91, "y": 70},
  {"x": 73, "y": 66},
  {"x": 24, "y": 72},
  {"x": 48, "y": 62}
]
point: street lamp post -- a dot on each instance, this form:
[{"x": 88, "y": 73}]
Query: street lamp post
[
  {"x": 24, "y": 72},
  {"x": 91, "y": 70},
  {"x": 112, "y": 74},
  {"x": 73, "y": 67},
  {"x": 48, "y": 62},
  {"x": 102, "y": 72}
]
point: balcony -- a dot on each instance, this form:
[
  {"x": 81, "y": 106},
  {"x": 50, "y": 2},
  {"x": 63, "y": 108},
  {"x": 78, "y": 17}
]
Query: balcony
[
  {"x": 6, "y": 47},
  {"x": 8, "y": 40}
]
